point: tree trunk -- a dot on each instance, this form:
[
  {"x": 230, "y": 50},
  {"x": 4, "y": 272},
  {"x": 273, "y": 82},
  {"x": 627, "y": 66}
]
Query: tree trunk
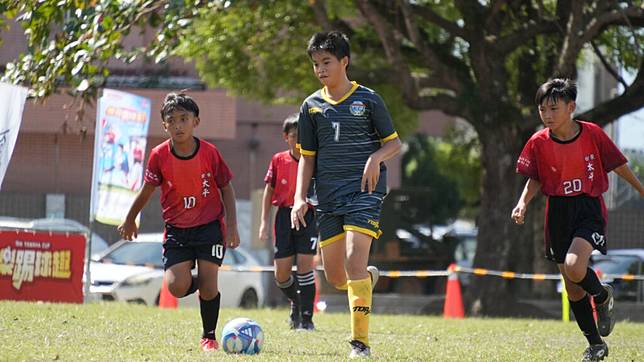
[{"x": 502, "y": 245}]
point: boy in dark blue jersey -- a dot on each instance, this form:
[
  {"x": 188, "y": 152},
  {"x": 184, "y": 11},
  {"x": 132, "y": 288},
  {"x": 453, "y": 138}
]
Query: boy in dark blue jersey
[{"x": 345, "y": 133}]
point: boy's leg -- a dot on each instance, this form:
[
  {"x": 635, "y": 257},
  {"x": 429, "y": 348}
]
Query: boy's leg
[
  {"x": 581, "y": 308},
  {"x": 209, "y": 298},
  {"x": 306, "y": 288},
  {"x": 577, "y": 270},
  {"x": 283, "y": 261},
  {"x": 333, "y": 249},
  {"x": 359, "y": 291},
  {"x": 289, "y": 287}
]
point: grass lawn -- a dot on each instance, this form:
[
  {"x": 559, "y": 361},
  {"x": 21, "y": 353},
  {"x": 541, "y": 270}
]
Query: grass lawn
[{"x": 123, "y": 332}]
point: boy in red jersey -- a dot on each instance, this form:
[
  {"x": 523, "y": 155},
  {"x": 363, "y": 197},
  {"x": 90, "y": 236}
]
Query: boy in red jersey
[
  {"x": 279, "y": 191},
  {"x": 196, "y": 195},
  {"x": 569, "y": 161}
]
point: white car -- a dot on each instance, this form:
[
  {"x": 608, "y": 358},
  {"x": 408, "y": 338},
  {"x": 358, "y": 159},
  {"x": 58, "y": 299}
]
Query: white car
[{"x": 132, "y": 271}]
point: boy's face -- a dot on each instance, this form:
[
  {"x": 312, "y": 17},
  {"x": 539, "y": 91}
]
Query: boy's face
[
  {"x": 180, "y": 124},
  {"x": 329, "y": 70},
  {"x": 555, "y": 113},
  {"x": 291, "y": 138}
]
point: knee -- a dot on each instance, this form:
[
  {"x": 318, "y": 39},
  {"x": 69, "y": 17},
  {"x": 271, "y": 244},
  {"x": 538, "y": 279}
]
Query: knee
[
  {"x": 177, "y": 290},
  {"x": 336, "y": 279},
  {"x": 282, "y": 276},
  {"x": 574, "y": 271}
]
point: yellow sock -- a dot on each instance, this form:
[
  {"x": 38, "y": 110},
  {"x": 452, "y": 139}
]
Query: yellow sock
[
  {"x": 342, "y": 286},
  {"x": 359, "y": 292}
]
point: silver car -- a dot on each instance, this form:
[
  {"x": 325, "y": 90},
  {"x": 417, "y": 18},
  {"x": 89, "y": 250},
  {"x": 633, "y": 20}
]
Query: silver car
[{"x": 132, "y": 271}]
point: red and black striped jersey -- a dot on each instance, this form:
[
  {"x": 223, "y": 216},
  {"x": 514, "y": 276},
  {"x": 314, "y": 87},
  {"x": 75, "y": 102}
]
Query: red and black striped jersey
[
  {"x": 189, "y": 185},
  {"x": 568, "y": 168}
]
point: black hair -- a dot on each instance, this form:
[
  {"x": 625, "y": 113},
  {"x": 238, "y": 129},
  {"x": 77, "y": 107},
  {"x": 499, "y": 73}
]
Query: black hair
[
  {"x": 290, "y": 123},
  {"x": 334, "y": 42},
  {"x": 556, "y": 89},
  {"x": 178, "y": 101}
]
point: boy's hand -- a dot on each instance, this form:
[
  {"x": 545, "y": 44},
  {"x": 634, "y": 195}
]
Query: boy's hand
[
  {"x": 128, "y": 230},
  {"x": 263, "y": 231},
  {"x": 300, "y": 207},
  {"x": 232, "y": 237},
  {"x": 518, "y": 214},
  {"x": 370, "y": 175}
]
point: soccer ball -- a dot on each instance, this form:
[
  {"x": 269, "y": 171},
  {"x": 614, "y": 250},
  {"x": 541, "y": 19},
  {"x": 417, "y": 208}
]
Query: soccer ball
[{"x": 242, "y": 335}]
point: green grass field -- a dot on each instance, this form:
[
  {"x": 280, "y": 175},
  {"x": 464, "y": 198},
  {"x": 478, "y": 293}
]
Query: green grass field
[{"x": 122, "y": 332}]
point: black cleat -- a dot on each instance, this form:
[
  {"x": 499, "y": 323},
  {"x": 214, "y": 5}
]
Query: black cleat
[
  {"x": 359, "y": 350},
  {"x": 307, "y": 325},
  {"x": 595, "y": 352},
  {"x": 605, "y": 317}
]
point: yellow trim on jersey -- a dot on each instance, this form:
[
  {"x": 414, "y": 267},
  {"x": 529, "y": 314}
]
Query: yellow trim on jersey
[
  {"x": 331, "y": 240},
  {"x": 390, "y": 137},
  {"x": 298, "y": 146},
  {"x": 373, "y": 234},
  {"x": 350, "y": 92},
  {"x": 306, "y": 152},
  {"x": 315, "y": 110}
]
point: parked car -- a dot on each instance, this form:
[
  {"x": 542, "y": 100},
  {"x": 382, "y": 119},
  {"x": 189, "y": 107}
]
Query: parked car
[
  {"x": 622, "y": 261},
  {"x": 132, "y": 271}
]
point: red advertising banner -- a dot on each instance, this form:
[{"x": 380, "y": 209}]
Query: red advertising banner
[{"x": 42, "y": 266}]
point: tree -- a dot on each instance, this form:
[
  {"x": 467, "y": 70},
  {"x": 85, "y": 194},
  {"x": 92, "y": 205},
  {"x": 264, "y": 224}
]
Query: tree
[{"x": 478, "y": 60}]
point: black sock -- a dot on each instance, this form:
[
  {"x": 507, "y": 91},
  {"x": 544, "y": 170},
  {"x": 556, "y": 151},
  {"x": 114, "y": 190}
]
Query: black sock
[
  {"x": 194, "y": 285},
  {"x": 593, "y": 286},
  {"x": 583, "y": 312},
  {"x": 289, "y": 288},
  {"x": 306, "y": 283},
  {"x": 209, "y": 315}
]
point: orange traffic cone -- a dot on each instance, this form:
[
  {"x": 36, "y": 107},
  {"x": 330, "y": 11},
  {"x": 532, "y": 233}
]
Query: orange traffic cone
[
  {"x": 166, "y": 299},
  {"x": 453, "y": 299}
]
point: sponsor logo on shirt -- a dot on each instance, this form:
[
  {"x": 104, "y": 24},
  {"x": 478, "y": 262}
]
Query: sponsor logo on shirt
[{"x": 357, "y": 108}]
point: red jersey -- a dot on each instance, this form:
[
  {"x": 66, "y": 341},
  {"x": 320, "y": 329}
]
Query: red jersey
[
  {"x": 568, "y": 168},
  {"x": 282, "y": 175},
  {"x": 189, "y": 185}
]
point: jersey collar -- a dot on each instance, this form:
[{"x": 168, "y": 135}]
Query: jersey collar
[
  {"x": 326, "y": 97},
  {"x": 186, "y": 157}
]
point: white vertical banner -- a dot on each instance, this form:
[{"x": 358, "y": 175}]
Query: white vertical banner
[
  {"x": 11, "y": 106},
  {"x": 122, "y": 122}
]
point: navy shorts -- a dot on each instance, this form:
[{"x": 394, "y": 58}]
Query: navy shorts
[
  {"x": 204, "y": 242},
  {"x": 568, "y": 217},
  {"x": 289, "y": 242},
  {"x": 359, "y": 211}
]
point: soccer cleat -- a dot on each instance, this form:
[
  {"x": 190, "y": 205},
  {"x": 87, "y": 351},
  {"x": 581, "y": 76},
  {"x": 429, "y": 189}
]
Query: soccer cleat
[
  {"x": 208, "y": 345},
  {"x": 359, "y": 350},
  {"x": 605, "y": 318},
  {"x": 307, "y": 325},
  {"x": 294, "y": 316},
  {"x": 374, "y": 275},
  {"x": 595, "y": 352}
]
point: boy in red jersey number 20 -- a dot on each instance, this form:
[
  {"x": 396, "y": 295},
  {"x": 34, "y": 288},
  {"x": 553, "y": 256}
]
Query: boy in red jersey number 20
[
  {"x": 569, "y": 161},
  {"x": 196, "y": 196}
]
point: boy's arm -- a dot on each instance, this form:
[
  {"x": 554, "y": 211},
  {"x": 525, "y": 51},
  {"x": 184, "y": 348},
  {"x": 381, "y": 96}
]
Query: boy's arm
[
  {"x": 625, "y": 172},
  {"x": 128, "y": 228},
  {"x": 371, "y": 172},
  {"x": 531, "y": 188},
  {"x": 231, "y": 239},
  {"x": 266, "y": 212},
  {"x": 304, "y": 173}
]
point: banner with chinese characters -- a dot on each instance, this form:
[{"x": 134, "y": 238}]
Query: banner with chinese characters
[
  {"x": 119, "y": 149},
  {"x": 41, "y": 266}
]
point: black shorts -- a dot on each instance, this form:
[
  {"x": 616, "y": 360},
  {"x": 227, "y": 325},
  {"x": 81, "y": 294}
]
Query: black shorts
[
  {"x": 568, "y": 217},
  {"x": 204, "y": 242},
  {"x": 359, "y": 211},
  {"x": 289, "y": 242}
]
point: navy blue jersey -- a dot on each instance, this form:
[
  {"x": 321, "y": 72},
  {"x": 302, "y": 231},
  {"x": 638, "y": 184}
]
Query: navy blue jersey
[{"x": 342, "y": 135}]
